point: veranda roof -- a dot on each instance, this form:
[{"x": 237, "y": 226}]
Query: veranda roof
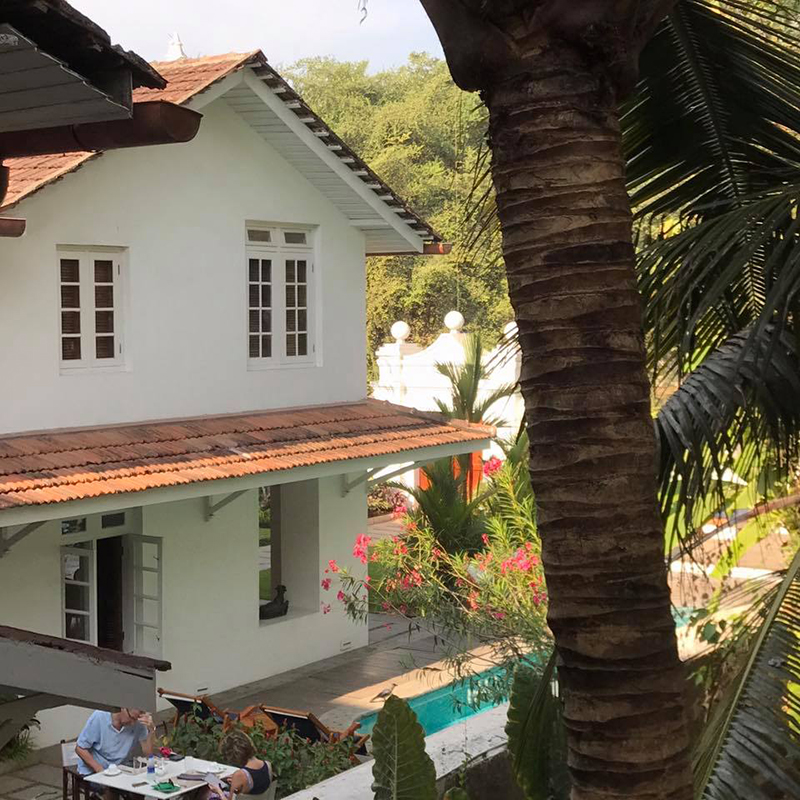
[{"x": 42, "y": 469}]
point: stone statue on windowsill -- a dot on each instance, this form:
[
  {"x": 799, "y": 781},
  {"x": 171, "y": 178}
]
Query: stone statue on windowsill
[{"x": 277, "y": 607}]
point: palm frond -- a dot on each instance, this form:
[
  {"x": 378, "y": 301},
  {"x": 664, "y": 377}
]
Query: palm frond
[
  {"x": 465, "y": 381},
  {"x": 750, "y": 746},
  {"x": 738, "y": 411},
  {"x": 713, "y": 168}
]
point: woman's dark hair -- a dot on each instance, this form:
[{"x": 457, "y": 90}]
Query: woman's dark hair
[{"x": 237, "y": 748}]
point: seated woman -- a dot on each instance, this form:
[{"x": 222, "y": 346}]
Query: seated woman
[{"x": 253, "y": 777}]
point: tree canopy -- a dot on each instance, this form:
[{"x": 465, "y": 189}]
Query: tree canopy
[{"x": 426, "y": 138}]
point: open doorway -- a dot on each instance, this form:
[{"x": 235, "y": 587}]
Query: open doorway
[{"x": 110, "y": 627}]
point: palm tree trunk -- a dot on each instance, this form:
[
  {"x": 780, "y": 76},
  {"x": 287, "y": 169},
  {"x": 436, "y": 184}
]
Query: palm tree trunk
[{"x": 565, "y": 215}]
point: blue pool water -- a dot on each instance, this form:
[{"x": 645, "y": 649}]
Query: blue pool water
[
  {"x": 443, "y": 707},
  {"x": 438, "y": 709}
]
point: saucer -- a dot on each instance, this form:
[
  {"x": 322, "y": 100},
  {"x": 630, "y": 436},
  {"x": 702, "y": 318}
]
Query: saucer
[{"x": 113, "y": 771}]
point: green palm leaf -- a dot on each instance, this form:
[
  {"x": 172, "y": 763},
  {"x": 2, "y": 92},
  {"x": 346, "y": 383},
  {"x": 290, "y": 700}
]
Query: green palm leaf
[
  {"x": 751, "y": 746},
  {"x": 536, "y": 737},
  {"x": 739, "y": 410},
  {"x": 402, "y": 769}
]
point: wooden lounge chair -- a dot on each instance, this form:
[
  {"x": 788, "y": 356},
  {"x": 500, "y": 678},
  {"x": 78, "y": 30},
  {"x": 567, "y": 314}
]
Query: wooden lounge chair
[
  {"x": 199, "y": 706},
  {"x": 310, "y": 727}
]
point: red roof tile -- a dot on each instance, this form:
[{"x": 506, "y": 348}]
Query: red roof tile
[{"x": 38, "y": 469}]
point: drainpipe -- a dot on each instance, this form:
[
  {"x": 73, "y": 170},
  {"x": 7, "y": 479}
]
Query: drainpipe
[{"x": 154, "y": 122}]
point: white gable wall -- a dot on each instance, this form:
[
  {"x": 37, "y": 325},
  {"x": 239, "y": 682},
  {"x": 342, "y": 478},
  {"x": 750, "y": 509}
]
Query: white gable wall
[{"x": 181, "y": 211}]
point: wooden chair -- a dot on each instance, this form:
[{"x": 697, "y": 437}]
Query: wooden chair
[
  {"x": 73, "y": 785},
  {"x": 195, "y": 705},
  {"x": 310, "y": 727}
]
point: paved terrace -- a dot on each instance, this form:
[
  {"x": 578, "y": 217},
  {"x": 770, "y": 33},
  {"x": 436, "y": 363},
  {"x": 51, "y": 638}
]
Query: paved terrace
[{"x": 337, "y": 690}]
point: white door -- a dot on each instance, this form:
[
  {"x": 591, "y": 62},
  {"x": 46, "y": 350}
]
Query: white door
[{"x": 144, "y": 626}]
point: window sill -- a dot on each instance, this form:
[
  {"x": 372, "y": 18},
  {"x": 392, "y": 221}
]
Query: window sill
[
  {"x": 280, "y": 365},
  {"x": 291, "y": 616},
  {"x": 116, "y": 368}
]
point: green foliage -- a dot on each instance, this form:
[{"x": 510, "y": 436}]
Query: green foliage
[
  {"x": 296, "y": 762},
  {"x": 749, "y": 747},
  {"x": 740, "y": 406},
  {"x": 465, "y": 384},
  {"x": 536, "y": 737},
  {"x": 442, "y": 507},
  {"x": 425, "y": 137},
  {"x": 402, "y": 769},
  {"x": 492, "y": 593},
  {"x": 384, "y": 499},
  {"x": 19, "y": 747}
]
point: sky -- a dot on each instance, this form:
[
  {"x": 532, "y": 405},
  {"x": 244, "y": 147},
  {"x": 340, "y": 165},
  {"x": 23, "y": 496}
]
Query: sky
[{"x": 285, "y": 30}]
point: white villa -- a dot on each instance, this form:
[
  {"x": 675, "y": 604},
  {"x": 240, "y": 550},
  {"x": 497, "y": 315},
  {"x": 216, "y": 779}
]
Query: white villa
[{"x": 181, "y": 326}]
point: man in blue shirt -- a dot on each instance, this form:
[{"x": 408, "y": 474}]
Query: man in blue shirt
[{"x": 108, "y": 738}]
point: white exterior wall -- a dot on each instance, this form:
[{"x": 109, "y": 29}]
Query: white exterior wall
[
  {"x": 211, "y": 631},
  {"x": 408, "y": 375},
  {"x": 181, "y": 211}
]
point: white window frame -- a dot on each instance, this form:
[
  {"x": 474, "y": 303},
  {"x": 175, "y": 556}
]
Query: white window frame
[
  {"x": 279, "y": 252},
  {"x": 88, "y": 333},
  {"x": 89, "y": 553},
  {"x": 131, "y": 531}
]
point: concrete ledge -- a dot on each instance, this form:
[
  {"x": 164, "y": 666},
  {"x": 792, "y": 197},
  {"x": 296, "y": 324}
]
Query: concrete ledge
[{"x": 481, "y": 738}]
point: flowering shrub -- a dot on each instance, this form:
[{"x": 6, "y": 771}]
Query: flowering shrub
[
  {"x": 491, "y": 466},
  {"x": 297, "y": 762},
  {"x": 385, "y": 499},
  {"x": 495, "y": 596}
]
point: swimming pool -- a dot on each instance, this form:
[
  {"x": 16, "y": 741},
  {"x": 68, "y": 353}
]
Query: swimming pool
[{"x": 443, "y": 707}]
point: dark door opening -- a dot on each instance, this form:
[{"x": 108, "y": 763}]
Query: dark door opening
[{"x": 110, "y": 630}]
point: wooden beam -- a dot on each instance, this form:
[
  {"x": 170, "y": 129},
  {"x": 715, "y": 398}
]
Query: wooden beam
[
  {"x": 212, "y": 508},
  {"x": 7, "y": 542}
]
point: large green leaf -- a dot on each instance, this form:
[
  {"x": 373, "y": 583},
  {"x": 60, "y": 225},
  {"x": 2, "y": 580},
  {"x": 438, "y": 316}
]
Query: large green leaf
[
  {"x": 751, "y": 746},
  {"x": 536, "y": 736},
  {"x": 402, "y": 769},
  {"x": 736, "y": 412}
]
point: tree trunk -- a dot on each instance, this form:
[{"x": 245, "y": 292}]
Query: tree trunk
[{"x": 565, "y": 215}]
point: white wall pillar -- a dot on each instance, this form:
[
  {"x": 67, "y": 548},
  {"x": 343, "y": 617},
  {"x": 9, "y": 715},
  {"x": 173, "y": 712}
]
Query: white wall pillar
[{"x": 300, "y": 543}]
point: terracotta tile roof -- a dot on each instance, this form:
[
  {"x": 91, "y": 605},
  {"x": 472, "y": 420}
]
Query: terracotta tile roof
[
  {"x": 186, "y": 77},
  {"x": 38, "y": 469},
  {"x": 189, "y": 77}
]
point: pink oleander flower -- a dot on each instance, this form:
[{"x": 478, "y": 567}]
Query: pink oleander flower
[
  {"x": 485, "y": 539},
  {"x": 340, "y": 596},
  {"x": 498, "y": 614},
  {"x": 326, "y": 608},
  {"x": 361, "y": 548},
  {"x": 385, "y": 606},
  {"x": 333, "y": 566},
  {"x": 403, "y": 608},
  {"x": 491, "y": 466},
  {"x": 326, "y": 584}
]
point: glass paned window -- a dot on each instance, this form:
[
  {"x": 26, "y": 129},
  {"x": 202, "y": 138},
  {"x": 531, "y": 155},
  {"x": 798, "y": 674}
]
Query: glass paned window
[
  {"x": 280, "y": 294},
  {"x": 296, "y": 307},
  {"x": 90, "y": 289},
  {"x": 104, "y": 308},
  {"x": 259, "y": 322},
  {"x": 76, "y": 571},
  {"x": 70, "y": 309},
  {"x": 73, "y": 526}
]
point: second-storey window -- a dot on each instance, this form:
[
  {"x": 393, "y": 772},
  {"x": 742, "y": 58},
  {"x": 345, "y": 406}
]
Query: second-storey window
[
  {"x": 280, "y": 309},
  {"x": 90, "y": 296}
]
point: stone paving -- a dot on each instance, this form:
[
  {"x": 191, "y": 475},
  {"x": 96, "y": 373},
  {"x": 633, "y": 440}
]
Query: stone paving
[{"x": 38, "y": 782}]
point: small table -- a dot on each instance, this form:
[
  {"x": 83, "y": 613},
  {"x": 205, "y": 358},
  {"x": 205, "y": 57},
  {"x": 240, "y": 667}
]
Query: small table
[{"x": 124, "y": 782}]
